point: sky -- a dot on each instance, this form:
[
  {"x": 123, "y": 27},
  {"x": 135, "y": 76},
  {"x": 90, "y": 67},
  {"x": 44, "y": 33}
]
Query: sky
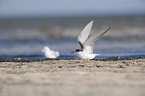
[{"x": 34, "y": 8}]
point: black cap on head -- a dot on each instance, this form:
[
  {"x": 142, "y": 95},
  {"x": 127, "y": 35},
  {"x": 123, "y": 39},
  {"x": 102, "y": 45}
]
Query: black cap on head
[{"x": 77, "y": 50}]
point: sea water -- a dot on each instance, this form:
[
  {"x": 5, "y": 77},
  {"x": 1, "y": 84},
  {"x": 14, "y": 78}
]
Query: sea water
[{"x": 24, "y": 38}]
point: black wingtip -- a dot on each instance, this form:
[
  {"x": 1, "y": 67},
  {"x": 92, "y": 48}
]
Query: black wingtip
[{"x": 108, "y": 29}]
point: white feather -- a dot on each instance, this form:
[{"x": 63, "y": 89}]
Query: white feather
[{"x": 48, "y": 53}]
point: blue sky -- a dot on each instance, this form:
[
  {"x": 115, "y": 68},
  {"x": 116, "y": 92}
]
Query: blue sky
[{"x": 22, "y": 8}]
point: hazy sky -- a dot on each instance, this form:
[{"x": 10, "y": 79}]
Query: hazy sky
[{"x": 24, "y": 8}]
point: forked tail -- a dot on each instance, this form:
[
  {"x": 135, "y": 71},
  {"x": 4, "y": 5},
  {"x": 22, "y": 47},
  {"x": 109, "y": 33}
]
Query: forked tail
[{"x": 97, "y": 54}]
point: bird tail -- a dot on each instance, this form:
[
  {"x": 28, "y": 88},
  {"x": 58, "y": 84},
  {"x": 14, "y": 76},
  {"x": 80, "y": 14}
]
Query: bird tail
[
  {"x": 97, "y": 54},
  {"x": 57, "y": 53}
]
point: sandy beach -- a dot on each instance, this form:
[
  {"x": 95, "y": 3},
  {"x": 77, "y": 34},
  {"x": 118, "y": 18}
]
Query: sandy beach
[
  {"x": 26, "y": 27},
  {"x": 73, "y": 78}
]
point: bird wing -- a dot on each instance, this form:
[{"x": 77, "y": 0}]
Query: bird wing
[
  {"x": 55, "y": 53},
  {"x": 90, "y": 41},
  {"x": 88, "y": 44},
  {"x": 84, "y": 34}
]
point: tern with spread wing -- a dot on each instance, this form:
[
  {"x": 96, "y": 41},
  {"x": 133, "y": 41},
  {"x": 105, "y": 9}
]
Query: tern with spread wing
[{"x": 87, "y": 43}]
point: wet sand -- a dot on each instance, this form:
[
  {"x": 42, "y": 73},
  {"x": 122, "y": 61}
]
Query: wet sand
[{"x": 73, "y": 78}]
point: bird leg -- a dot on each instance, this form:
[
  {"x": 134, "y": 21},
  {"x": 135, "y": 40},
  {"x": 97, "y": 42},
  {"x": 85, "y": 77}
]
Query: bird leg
[
  {"x": 88, "y": 60},
  {"x": 85, "y": 61}
]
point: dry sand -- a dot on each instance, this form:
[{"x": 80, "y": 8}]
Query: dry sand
[{"x": 73, "y": 78}]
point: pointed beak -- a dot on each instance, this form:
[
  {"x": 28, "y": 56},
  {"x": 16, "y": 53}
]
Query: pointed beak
[{"x": 73, "y": 52}]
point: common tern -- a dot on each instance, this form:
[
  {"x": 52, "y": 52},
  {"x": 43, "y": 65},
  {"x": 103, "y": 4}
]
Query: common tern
[
  {"x": 87, "y": 43},
  {"x": 48, "y": 53}
]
